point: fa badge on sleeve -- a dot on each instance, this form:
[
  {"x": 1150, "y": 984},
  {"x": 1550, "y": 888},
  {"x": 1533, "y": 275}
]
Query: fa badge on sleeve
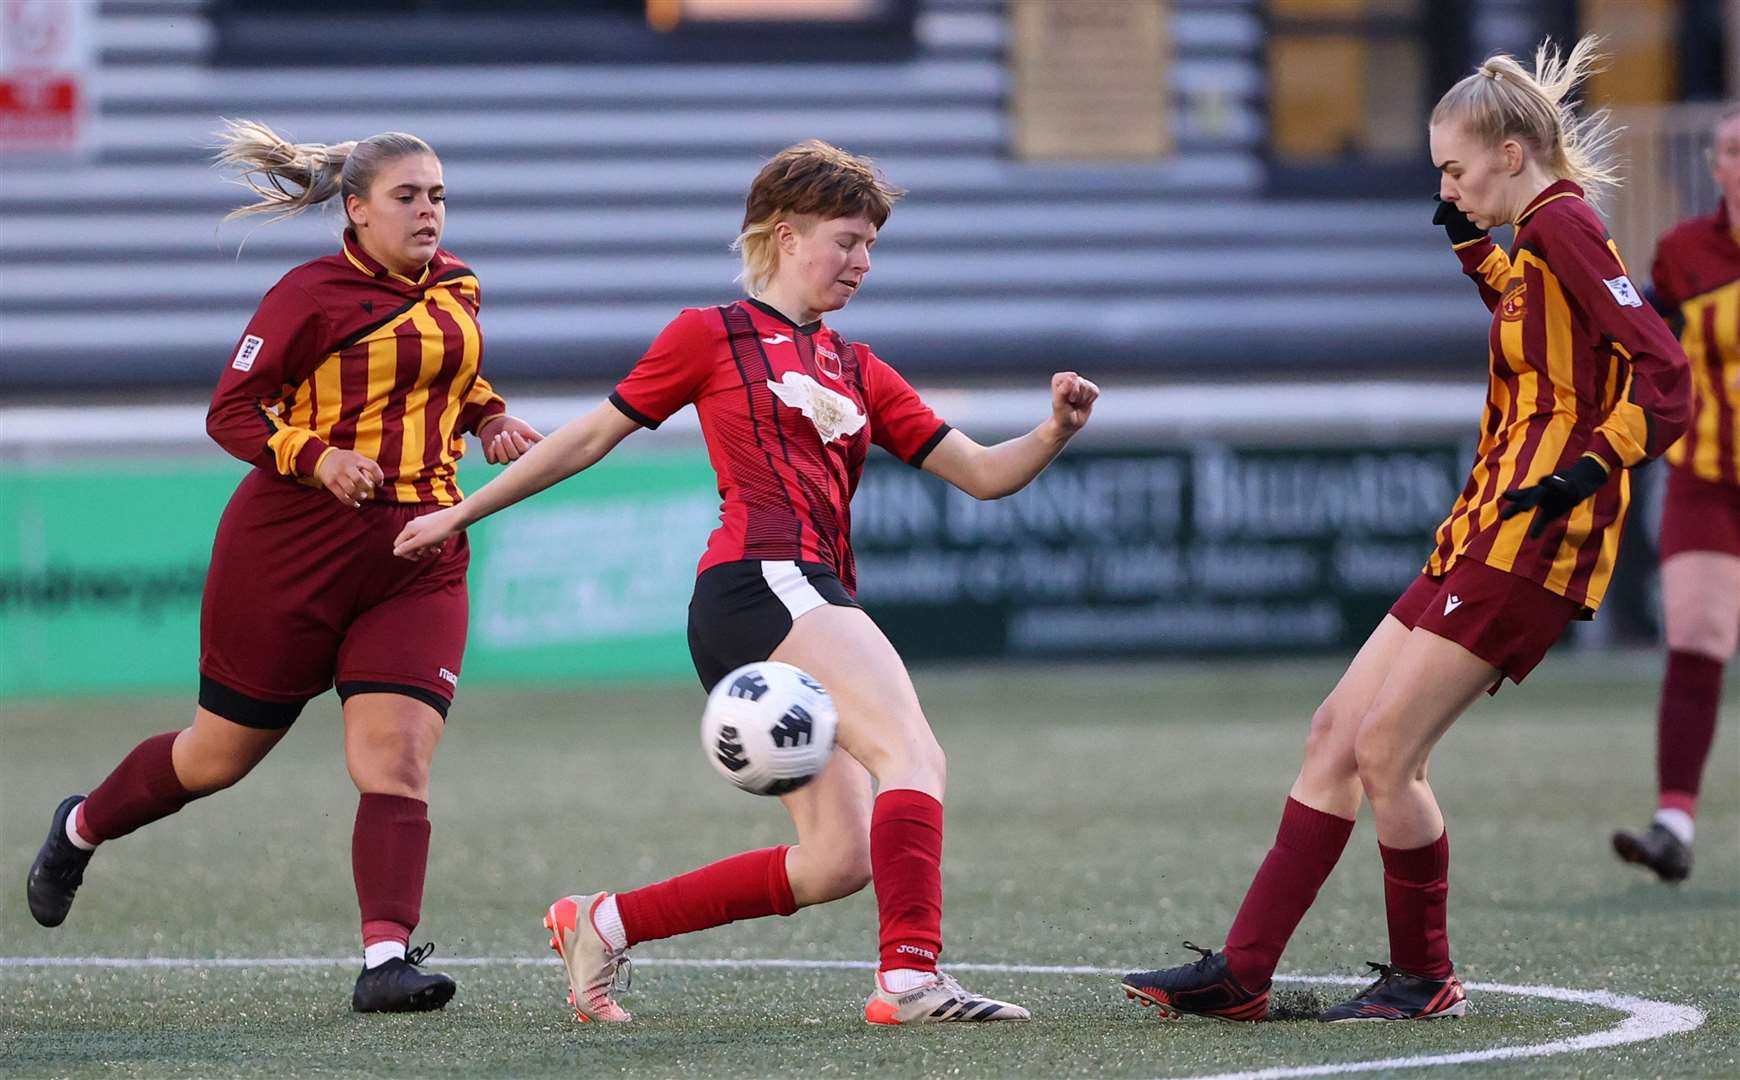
[{"x": 1624, "y": 291}]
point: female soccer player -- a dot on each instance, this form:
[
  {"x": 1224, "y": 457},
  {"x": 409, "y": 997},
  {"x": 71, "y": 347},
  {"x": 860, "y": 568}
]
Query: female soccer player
[
  {"x": 789, "y": 410},
  {"x": 348, "y": 392},
  {"x": 1585, "y": 381},
  {"x": 1697, "y": 281}
]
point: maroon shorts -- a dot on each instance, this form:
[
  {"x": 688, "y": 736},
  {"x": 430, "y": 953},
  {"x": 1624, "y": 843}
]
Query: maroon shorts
[
  {"x": 1699, "y": 515},
  {"x": 1508, "y": 621},
  {"x": 304, "y": 591}
]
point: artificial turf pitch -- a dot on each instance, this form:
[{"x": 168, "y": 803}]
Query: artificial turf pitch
[{"x": 1097, "y": 816}]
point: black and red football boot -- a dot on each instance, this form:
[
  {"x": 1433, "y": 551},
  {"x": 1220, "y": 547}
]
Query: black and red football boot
[
  {"x": 1203, "y": 988},
  {"x": 1397, "y": 995}
]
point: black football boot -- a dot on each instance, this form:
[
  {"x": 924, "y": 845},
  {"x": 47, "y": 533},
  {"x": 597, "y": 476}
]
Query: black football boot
[
  {"x": 399, "y": 986},
  {"x": 1203, "y": 988}
]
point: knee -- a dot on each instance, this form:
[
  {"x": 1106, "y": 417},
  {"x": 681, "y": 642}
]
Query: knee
[
  {"x": 1325, "y": 740},
  {"x": 1702, "y": 631},
  {"x": 394, "y": 765},
  {"x": 204, "y": 767},
  {"x": 930, "y": 757},
  {"x": 203, "y": 775},
  {"x": 910, "y": 756},
  {"x": 1381, "y": 770},
  {"x": 392, "y": 774}
]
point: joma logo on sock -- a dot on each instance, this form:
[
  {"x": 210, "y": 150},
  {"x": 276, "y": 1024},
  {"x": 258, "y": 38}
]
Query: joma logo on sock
[{"x": 916, "y": 951}]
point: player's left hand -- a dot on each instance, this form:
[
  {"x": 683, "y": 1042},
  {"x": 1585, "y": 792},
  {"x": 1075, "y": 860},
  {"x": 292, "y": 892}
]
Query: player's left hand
[
  {"x": 508, "y": 439},
  {"x": 1072, "y": 401},
  {"x": 1553, "y": 497},
  {"x": 425, "y": 534}
]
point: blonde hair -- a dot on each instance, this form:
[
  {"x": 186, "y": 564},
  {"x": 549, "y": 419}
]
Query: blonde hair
[
  {"x": 291, "y": 177},
  {"x": 1503, "y": 101},
  {"x": 812, "y": 181}
]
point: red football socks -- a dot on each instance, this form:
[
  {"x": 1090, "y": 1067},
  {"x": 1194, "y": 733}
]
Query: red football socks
[
  {"x": 1307, "y": 847},
  {"x": 142, "y": 789},
  {"x": 906, "y": 841},
  {"x": 1685, "y": 728},
  {"x": 746, "y": 886},
  {"x": 1416, "y": 886},
  {"x": 389, "y": 855}
]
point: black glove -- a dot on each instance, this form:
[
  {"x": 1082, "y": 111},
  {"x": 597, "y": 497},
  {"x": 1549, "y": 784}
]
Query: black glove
[
  {"x": 1553, "y": 497},
  {"x": 1456, "y": 223}
]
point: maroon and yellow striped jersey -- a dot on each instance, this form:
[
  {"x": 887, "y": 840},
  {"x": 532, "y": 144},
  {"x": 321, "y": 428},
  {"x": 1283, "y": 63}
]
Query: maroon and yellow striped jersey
[
  {"x": 1697, "y": 276},
  {"x": 345, "y": 354},
  {"x": 1579, "y": 366}
]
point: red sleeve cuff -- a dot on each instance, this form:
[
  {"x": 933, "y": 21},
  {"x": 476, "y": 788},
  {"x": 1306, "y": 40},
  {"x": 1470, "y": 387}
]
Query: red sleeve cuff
[{"x": 309, "y": 456}]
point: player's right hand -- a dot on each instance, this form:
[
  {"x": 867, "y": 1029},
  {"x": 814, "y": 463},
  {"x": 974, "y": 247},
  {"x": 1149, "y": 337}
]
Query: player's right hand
[
  {"x": 350, "y": 477},
  {"x": 423, "y": 536}
]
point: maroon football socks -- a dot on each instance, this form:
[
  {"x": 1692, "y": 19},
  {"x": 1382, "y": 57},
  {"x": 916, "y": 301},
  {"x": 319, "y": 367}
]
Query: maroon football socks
[
  {"x": 1416, "y": 887},
  {"x": 142, "y": 789},
  {"x": 1307, "y": 846},
  {"x": 1685, "y": 729},
  {"x": 389, "y": 855}
]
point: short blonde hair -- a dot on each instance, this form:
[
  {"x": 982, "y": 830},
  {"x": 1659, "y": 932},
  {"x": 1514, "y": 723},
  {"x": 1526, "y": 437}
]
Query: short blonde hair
[
  {"x": 810, "y": 182},
  {"x": 1502, "y": 100},
  {"x": 288, "y": 177}
]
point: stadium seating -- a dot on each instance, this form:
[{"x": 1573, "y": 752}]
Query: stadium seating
[{"x": 595, "y": 201}]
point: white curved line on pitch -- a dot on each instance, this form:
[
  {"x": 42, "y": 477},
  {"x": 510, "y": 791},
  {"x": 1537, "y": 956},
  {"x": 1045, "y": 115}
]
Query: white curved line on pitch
[{"x": 1644, "y": 1019}]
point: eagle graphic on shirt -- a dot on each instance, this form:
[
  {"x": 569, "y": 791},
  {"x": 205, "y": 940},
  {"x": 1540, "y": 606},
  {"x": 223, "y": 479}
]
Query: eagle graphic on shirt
[{"x": 834, "y": 414}]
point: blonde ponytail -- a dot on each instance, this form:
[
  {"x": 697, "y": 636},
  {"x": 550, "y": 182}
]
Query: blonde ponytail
[
  {"x": 1502, "y": 100},
  {"x": 288, "y": 177}
]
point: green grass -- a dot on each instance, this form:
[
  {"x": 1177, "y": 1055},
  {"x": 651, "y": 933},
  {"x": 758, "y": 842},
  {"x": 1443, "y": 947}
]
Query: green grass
[{"x": 1097, "y": 815}]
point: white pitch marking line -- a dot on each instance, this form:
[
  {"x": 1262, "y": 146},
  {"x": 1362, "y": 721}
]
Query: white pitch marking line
[{"x": 1645, "y": 1019}]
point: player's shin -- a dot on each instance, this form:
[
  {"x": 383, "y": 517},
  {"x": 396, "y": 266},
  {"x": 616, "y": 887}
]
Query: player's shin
[
  {"x": 1308, "y": 844},
  {"x": 1685, "y": 729},
  {"x": 143, "y": 788},
  {"x": 1416, "y": 891},
  {"x": 389, "y": 858},
  {"x": 750, "y": 885},
  {"x": 906, "y": 841}
]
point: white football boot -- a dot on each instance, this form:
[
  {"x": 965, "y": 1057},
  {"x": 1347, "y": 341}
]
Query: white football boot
[
  {"x": 938, "y": 1000},
  {"x": 594, "y": 968}
]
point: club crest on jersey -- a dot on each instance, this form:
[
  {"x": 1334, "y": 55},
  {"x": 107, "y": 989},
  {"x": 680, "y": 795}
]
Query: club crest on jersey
[
  {"x": 829, "y": 361},
  {"x": 834, "y": 414},
  {"x": 1513, "y": 304}
]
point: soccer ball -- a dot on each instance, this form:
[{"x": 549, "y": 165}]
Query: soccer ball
[{"x": 768, "y": 728}]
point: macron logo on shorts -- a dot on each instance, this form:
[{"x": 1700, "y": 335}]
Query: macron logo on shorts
[
  {"x": 1451, "y": 603},
  {"x": 451, "y": 679},
  {"x": 245, "y": 355}
]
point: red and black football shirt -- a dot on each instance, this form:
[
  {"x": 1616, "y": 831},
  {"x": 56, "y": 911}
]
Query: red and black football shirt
[{"x": 789, "y": 413}]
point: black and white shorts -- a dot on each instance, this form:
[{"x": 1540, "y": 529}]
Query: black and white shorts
[{"x": 741, "y": 611}]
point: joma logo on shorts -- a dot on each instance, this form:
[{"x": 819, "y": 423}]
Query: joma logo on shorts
[{"x": 452, "y": 679}]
